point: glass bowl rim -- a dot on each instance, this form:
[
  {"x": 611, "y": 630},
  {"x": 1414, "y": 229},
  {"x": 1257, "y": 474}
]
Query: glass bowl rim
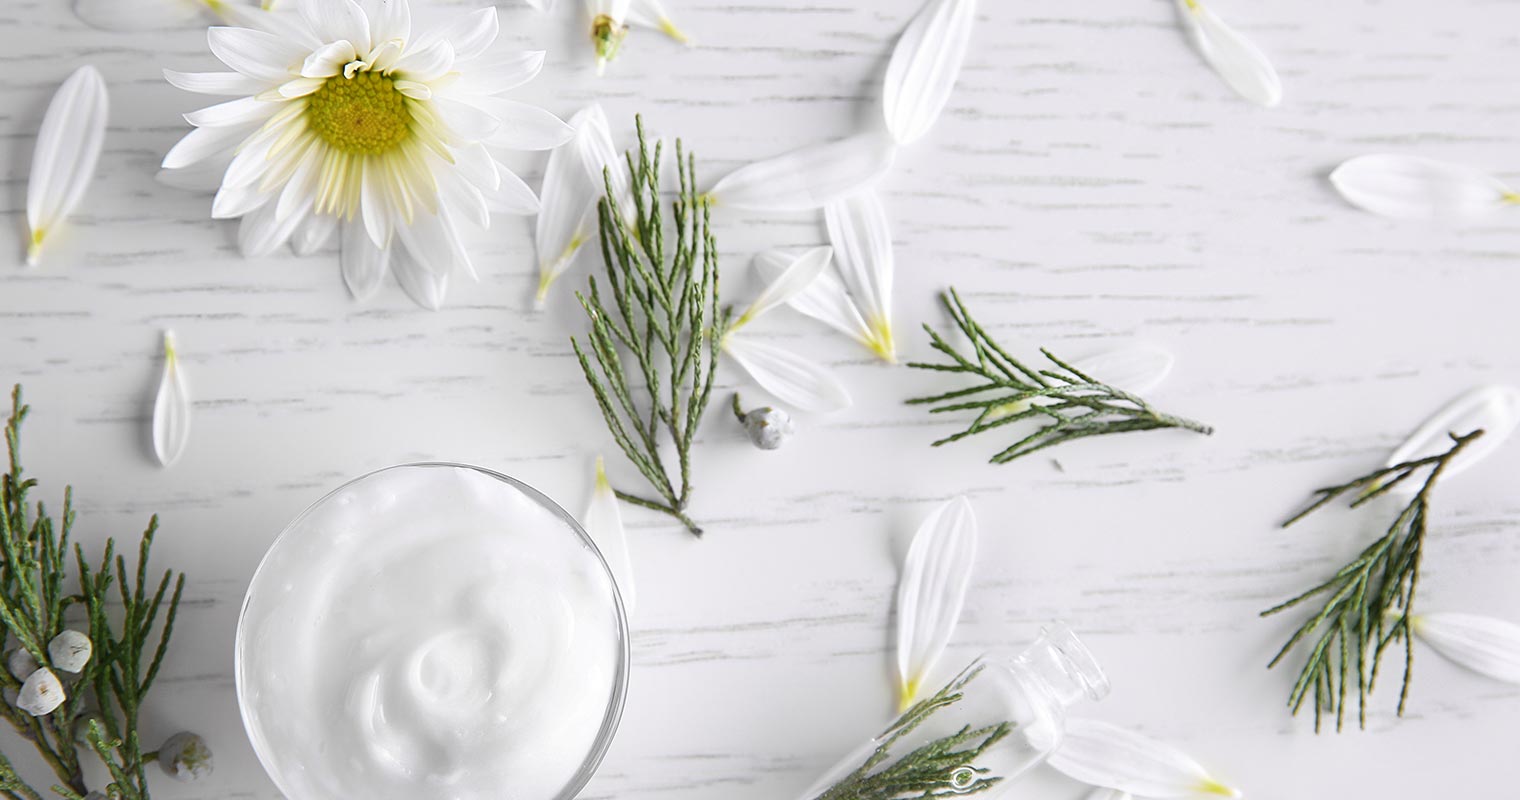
[{"x": 615, "y": 703}]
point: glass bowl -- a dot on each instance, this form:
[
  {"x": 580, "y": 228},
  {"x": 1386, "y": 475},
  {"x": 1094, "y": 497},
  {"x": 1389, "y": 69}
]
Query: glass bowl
[{"x": 338, "y": 697}]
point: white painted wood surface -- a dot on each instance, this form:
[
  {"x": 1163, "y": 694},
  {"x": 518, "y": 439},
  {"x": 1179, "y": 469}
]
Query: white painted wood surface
[{"x": 1090, "y": 184}]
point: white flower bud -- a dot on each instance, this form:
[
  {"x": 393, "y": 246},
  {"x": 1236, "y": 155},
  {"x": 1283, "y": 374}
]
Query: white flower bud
[
  {"x": 21, "y": 664},
  {"x": 70, "y": 651},
  {"x": 185, "y": 757},
  {"x": 41, "y": 693}
]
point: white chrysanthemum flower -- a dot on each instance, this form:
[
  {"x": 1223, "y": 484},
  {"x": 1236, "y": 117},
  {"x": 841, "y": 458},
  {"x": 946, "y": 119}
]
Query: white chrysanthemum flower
[{"x": 347, "y": 117}]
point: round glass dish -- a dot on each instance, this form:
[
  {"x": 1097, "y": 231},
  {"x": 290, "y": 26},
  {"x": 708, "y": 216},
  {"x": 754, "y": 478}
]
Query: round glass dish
[{"x": 432, "y": 630}]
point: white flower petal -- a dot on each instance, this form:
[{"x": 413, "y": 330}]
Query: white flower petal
[
  {"x": 428, "y": 245},
  {"x": 600, "y": 158},
  {"x": 498, "y": 73},
  {"x": 203, "y": 176},
  {"x": 328, "y": 60},
  {"x": 1104, "y": 793},
  {"x": 1484, "y": 645},
  {"x": 1411, "y": 187},
  {"x": 424, "y": 64},
  {"x": 242, "y": 111},
  {"x": 809, "y": 178},
  {"x": 135, "y": 15},
  {"x": 1136, "y": 369},
  {"x": 924, "y": 67},
  {"x": 524, "y": 126},
  {"x": 232, "y": 202},
  {"x": 1494, "y": 409},
  {"x": 603, "y": 522},
  {"x": 468, "y": 34},
  {"x": 541, "y": 5},
  {"x": 825, "y": 299},
  {"x": 203, "y": 143},
  {"x": 389, "y": 20},
  {"x": 511, "y": 195},
  {"x": 862, "y": 242},
  {"x": 797, "y": 381},
  {"x": 468, "y": 121},
  {"x": 792, "y": 281},
  {"x": 652, "y": 14},
  {"x": 232, "y": 84},
  {"x": 364, "y": 264},
  {"x": 337, "y": 20},
  {"x": 287, "y": 25},
  {"x": 1101, "y": 754},
  {"x": 315, "y": 232},
  {"x": 426, "y": 288},
  {"x": 616, "y": 9},
  {"x": 171, "y": 409},
  {"x": 63, "y": 162},
  {"x": 258, "y": 54},
  {"x": 1243, "y": 67},
  {"x": 932, "y": 591},
  {"x": 263, "y": 230},
  {"x": 568, "y": 196}
]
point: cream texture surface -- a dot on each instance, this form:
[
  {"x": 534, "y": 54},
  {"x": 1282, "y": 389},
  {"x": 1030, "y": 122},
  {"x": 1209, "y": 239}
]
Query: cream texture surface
[{"x": 428, "y": 632}]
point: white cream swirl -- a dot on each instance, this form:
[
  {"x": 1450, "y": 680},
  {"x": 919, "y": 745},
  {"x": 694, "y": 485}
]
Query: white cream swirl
[{"x": 428, "y": 632}]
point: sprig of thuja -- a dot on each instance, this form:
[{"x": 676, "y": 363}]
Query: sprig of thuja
[
  {"x": 944, "y": 767},
  {"x": 1370, "y": 599},
  {"x": 664, "y": 312},
  {"x": 1066, "y": 403},
  {"x": 100, "y": 712}
]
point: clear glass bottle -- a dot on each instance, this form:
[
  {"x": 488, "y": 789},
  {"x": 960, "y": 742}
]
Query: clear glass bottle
[{"x": 999, "y": 717}]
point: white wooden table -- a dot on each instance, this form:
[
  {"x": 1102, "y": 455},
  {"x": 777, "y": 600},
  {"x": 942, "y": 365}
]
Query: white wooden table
[{"x": 1091, "y": 184}]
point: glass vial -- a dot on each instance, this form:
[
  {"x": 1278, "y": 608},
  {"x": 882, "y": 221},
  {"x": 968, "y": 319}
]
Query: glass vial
[{"x": 996, "y": 719}]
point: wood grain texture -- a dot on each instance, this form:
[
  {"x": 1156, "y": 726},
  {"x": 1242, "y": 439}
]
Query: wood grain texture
[{"x": 1090, "y": 184}]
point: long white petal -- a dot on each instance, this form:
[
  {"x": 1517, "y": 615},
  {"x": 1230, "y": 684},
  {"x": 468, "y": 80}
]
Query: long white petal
[
  {"x": 541, "y": 5},
  {"x": 524, "y": 126},
  {"x": 568, "y": 198},
  {"x": 791, "y": 282},
  {"x": 337, "y": 20},
  {"x": 797, "y": 381},
  {"x": 231, "y": 84},
  {"x": 1242, "y": 66},
  {"x": 171, "y": 410},
  {"x": 1494, "y": 409},
  {"x": 932, "y": 591},
  {"x": 511, "y": 195},
  {"x": 313, "y": 234},
  {"x": 600, "y": 158},
  {"x": 136, "y": 15},
  {"x": 426, "y": 288},
  {"x": 825, "y": 299},
  {"x": 809, "y": 178},
  {"x": 603, "y": 522},
  {"x": 68, "y": 146},
  {"x": 1105, "y": 793},
  {"x": 1482, "y": 644},
  {"x": 203, "y": 176},
  {"x": 652, "y": 14},
  {"x": 1412, "y": 187},
  {"x": 204, "y": 143},
  {"x": 500, "y": 73},
  {"x": 1101, "y": 754},
  {"x": 258, "y": 54},
  {"x": 924, "y": 67},
  {"x": 469, "y": 34},
  {"x": 364, "y": 265},
  {"x": 1136, "y": 369},
  {"x": 862, "y": 241}
]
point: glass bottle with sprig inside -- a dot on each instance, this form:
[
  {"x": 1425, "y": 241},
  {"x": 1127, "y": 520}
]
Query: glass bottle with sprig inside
[{"x": 1000, "y": 716}]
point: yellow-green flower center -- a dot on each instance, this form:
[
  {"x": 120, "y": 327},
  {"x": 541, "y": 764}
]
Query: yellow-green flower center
[{"x": 363, "y": 115}]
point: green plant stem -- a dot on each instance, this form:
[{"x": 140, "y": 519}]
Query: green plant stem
[{"x": 1370, "y": 599}]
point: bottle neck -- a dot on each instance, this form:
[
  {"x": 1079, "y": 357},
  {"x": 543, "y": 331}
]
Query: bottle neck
[{"x": 1065, "y": 665}]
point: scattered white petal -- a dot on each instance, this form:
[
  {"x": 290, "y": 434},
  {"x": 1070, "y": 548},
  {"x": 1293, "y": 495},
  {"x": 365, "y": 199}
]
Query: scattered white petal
[
  {"x": 1484, "y": 645},
  {"x": 68, "y": 146},
  {"x": 541, "y": 5},
  {"x": 924, "y": 67},
  {"x": 1494, "y": 409},
  {"x": 1242, "y": 66},
  {"x": 1104, "y": 793},
  {"x": 171, "y": 410},
  {"x": 825, "y": 299},
  {"x": 1412, "y": 187},
  {"x": 569, "y": 195},
  {"x": 1101, "y": 754},
  {"x": 364, "y": 264},
  {"x": 652, "y": 14},
  {"x": 809, "y": 178},
  {"x": 797, "y": 381},
  {"x": 932, "y": 591},
  {"x": 792, "y": 281},
  {"x": 1136, "y": 369},
  {"x": 604, "y": 524},
  {"x": 137, "y": 15},
  {"x": 862, "y": 241}
]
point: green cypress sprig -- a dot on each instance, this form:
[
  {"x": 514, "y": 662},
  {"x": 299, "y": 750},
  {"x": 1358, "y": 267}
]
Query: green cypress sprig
[
  {"x": 664, "y": 313},
  {"x": 105, "y": 699},
  {"x": 1066, "y": 403},
  {"x": 944, "y": 767},
  {"x": 1370, "y": 599}
]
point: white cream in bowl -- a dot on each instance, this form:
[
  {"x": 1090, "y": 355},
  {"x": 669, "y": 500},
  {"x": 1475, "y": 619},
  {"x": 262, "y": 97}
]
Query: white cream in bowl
[{"x": 431, "y": 632}]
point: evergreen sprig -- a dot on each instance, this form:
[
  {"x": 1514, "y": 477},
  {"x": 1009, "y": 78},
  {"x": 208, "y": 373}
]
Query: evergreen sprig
[
  {"x": 100, "y": 714},
  {"x": 1370, "y": 598},
  {"x": 1066, "y": 403},
  {"x": 944, "y": 767},
  {"x": 664, "y": 313}
]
